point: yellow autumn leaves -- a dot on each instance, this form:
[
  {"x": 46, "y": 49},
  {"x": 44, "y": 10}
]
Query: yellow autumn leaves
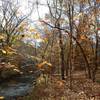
[
  {"x": 1, "y": 37},
  {"x": 33, "y": 34},
  {"x": 1, "y": 97},
  {"x": 44, "y": 63},
  {"x": 8, "y": 50},
  {"x": 32, "y": 30}
]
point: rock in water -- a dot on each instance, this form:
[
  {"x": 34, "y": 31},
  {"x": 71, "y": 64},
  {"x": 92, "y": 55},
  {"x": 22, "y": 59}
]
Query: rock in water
[{"x": 8, "y": 71}]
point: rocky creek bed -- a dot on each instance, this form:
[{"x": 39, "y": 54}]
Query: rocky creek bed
[{"x": 18, "y": 86}]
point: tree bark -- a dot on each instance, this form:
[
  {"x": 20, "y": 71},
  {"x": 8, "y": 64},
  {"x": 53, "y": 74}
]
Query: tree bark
[{"x": 62, "y": 56}]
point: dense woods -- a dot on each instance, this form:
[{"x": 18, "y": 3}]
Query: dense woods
[{"x": 60, "y": 52}]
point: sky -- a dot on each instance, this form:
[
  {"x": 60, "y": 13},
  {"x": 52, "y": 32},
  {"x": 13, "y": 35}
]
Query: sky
[{"x": 26, "y": 4}]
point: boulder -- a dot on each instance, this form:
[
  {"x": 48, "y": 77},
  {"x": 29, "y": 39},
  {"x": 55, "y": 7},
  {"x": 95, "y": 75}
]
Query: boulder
[{"x": 8, "y": 71}]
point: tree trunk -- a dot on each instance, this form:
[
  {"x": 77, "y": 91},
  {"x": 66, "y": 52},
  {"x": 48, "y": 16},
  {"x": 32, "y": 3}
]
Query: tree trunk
[
  {"x": 96, "y": 58},
  {"x": 62, "y": 56}
]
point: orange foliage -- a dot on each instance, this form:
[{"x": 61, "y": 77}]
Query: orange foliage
[
  {"x": 82, "y": 37},
  {"x": 98, "y": 1},
  {"x": 41, "y": 65}
]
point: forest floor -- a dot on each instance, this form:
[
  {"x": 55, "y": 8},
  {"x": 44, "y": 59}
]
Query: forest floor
[{"x": 56, "y": 89}]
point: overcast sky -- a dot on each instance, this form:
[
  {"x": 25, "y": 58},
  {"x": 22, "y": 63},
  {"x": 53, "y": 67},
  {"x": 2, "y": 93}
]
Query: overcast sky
[
  {"x": 26, "y": 4},
  {"x": 24, "y": 8}
]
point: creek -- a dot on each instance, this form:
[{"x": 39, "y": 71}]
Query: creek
[{"x": 18, "y": 86}]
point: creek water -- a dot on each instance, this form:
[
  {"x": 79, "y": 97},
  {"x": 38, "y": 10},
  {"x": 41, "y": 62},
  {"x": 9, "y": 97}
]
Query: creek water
[{"x": 18, "y": 86}]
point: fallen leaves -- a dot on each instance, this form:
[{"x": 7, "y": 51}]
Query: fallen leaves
[{"x": 82, "y": 89}]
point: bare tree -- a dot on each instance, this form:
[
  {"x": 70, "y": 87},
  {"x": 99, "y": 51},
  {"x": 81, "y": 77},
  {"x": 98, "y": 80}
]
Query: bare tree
[{"x": 10, "y": 20}]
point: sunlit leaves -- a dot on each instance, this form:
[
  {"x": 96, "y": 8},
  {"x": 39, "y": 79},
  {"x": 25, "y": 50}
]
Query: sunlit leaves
[
  {"x": 2, "y": 97},
  {"x": 45, "y": 67},
  {"x": 77, "y": 16},
  {"x": 36, "y": 36},
  {"x": 20, "y": 29},
  {"x": 22, "y": 26},
  {"x": 3, "y": 51},
  {"x": 83, "y": 37},
  {"x": 1, "y": 37},
  {"x": 45, "y": 40},
  {"x": 41, "y": 65},
  {"x": 8, "y": 50},
  {"x": 32, "y": 30}
]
